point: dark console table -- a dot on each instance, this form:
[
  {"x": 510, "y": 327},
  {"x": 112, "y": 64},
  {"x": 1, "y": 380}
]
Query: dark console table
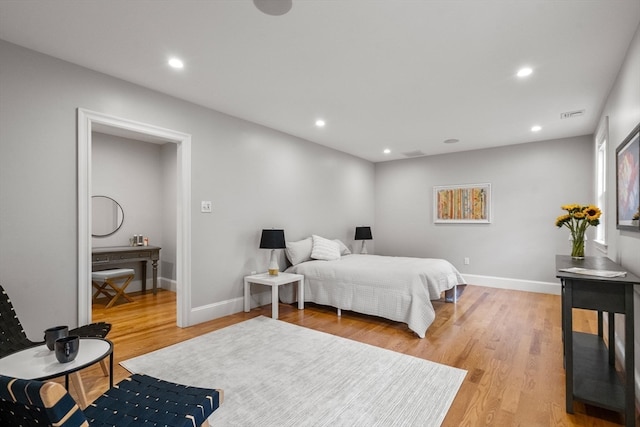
[
  {"x": 105, "y": 257},
  {"x": 591, "y": 376}
]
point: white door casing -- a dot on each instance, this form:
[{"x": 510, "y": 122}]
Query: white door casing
[{"x": 87, "y": 121}]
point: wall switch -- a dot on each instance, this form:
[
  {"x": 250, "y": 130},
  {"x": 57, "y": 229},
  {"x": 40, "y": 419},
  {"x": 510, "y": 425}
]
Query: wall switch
[
  {"x": 466, "y": 260},
  {"x": 205, "y": 206}
]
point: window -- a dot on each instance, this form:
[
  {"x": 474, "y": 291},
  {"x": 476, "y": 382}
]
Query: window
[{"x": 602, "y": 136}]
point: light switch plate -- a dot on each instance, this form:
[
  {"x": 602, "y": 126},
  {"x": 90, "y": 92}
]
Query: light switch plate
[{"x": 205, "y": 206}]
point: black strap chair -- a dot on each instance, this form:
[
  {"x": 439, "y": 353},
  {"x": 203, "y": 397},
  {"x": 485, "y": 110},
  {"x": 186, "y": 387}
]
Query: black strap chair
[
  {"x": 135, "y": 401},
  {"x": 13, "y": 337}
]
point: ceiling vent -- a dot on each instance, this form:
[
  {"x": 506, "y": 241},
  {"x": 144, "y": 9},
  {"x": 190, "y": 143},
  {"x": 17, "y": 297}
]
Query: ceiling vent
[
  {"x": 572, "y": 114},
  {"x": 416, "y": 153}
]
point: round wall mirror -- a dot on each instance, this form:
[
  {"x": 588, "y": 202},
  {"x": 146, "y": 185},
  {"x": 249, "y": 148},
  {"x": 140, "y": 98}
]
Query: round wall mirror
[{"x": 107, "y": 216}]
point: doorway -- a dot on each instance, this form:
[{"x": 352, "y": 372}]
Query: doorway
[{"x": 88, "y": 122}]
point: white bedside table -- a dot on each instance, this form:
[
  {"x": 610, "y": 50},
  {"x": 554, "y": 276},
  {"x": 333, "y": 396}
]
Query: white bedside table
[{"x": 274, "y": 282}]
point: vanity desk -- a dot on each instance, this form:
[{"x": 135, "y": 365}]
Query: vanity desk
[
  {"x": 103, "y": 258},
  {"x": 591, "y": 376}
]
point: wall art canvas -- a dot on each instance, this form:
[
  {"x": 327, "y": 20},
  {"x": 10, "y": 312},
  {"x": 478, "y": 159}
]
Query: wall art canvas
[
  {"x": 628, "y": 182},
  {"x": 468, "y": 203}
]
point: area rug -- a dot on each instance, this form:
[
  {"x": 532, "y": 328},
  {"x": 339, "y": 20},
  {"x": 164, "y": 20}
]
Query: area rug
[{"x": 277, "y": 374}]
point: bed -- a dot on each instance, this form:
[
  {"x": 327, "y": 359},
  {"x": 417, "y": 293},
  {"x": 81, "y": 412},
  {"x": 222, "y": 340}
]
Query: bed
[{"x": 396, "y": 288}]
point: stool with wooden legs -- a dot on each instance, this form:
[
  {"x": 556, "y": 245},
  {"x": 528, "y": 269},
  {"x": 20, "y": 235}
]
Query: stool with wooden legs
[{"x": 112, "y": 284}]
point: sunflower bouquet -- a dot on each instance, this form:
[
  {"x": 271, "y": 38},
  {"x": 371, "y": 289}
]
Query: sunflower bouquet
[{"x": 577, "y": 219}]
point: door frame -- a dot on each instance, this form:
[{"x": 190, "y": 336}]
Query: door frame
[{"x": 87, "y": 121}]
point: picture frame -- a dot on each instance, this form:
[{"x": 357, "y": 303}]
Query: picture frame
[
  {"x": 462, "y": 204},
  {"x": 628, "y": 182}
]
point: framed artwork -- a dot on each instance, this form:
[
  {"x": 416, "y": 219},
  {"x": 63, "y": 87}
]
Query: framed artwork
[
  {"x": 462, "y": 204},
  {"x": 628, "y": 182}
]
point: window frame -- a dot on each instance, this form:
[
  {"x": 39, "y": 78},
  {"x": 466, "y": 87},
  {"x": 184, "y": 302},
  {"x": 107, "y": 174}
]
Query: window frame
[{"x": 601, "y": 145}]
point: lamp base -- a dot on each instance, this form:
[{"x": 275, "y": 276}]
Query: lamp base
[
  {"x": 273, "y": 264},
  {"x": 364, "y": 251}
]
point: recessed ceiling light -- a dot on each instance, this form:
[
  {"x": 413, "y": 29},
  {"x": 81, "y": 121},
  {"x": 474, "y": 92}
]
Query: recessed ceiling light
[
  {"x": 536, "y": 128},
  {"x": 274, "y": 7},
  {"x": 524, "y": 72},
  {"x": 176, "y": 63},
  {"x": 386, "y": 151},
  {"x": 451, "y": 141},
  {"x": 320, "y": 123}
]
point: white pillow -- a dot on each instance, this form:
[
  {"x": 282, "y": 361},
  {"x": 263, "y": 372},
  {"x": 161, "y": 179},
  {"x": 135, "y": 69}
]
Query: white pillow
[
  {"x": 344, "y": 250},
  {"x": 299, "y": 251},
  {"x": 324, "y": 249}
]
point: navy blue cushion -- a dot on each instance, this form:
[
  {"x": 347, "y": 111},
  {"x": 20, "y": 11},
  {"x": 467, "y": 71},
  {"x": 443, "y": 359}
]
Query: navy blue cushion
[{"x": 154, "y": 402}]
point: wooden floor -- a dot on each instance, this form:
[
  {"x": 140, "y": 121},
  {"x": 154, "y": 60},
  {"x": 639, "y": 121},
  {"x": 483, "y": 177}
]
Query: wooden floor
[{"x": 508, "y": 341}]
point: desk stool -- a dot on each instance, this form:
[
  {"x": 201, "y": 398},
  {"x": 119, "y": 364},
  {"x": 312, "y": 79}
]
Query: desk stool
[{"x": 105, "y": 279}]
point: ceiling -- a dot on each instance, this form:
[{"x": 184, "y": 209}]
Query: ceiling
[{"x": 399, "y": 74}]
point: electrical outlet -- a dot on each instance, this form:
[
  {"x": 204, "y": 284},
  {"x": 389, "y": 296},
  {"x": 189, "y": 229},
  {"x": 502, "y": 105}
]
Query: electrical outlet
[
  {"x": 205, "y": 206},
  {"x": 466, "y": 260}
]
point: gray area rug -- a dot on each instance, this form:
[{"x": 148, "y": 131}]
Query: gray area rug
[{"x": 277, "y": 374}]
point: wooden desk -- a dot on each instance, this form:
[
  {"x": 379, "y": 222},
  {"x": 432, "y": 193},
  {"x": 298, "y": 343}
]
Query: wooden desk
[
  {"x": 105, "y": 257},
  {"x": 591, "y": 376}
]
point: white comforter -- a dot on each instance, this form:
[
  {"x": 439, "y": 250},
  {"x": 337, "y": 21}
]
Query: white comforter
[{"x": 396, "y": 288}]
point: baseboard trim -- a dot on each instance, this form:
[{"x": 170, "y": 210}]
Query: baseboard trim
[
  {"x": 514, "y": 284},
  {"x": 208, "y": 312},
  {"x": 167, "y": 284}
]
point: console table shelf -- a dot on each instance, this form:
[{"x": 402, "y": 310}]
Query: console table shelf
[
  {"x": 597, "y": 383},
  {"x": 591, "y": 376}
]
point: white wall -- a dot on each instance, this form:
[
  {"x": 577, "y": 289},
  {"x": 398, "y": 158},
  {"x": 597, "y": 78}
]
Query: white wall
[
  {"x": 139, "y": 176},
  {"x": 529, "y": 183},
  {"x": 256, "y": 178},
  {"x": 623, "y": 109}
]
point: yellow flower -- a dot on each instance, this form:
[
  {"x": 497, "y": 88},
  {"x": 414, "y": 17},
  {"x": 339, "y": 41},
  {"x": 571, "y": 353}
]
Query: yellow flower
[
  {"x": 562, "y": 219},
  {"x": 577, "y": 219},
  {"x": 592, "y": 212},
  {"x": 571, "y": 208}
]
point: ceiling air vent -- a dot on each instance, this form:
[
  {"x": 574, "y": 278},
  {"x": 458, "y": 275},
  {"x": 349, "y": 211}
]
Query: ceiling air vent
[
  {"x": 416, "y": 153},
  {"x": 572, "y": 114}
]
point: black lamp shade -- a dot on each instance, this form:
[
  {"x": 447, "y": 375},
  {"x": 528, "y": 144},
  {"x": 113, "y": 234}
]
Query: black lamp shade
[
  {"x": 272, "y": 239},
  {"x": 363, "y": 233}
]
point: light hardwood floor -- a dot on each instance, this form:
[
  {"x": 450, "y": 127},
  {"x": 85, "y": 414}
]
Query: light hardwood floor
[{"x": 508, "y": 341}]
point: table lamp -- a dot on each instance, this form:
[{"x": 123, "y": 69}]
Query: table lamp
[
  {"x": 363, "y": 233},
  {"x": 272, "y": 239}
]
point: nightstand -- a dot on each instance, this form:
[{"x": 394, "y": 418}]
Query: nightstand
[{"x": 274, "y": 282}]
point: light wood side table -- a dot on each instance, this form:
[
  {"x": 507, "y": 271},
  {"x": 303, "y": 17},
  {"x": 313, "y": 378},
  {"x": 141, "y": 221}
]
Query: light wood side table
[{"x": 274, "y": 282}]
